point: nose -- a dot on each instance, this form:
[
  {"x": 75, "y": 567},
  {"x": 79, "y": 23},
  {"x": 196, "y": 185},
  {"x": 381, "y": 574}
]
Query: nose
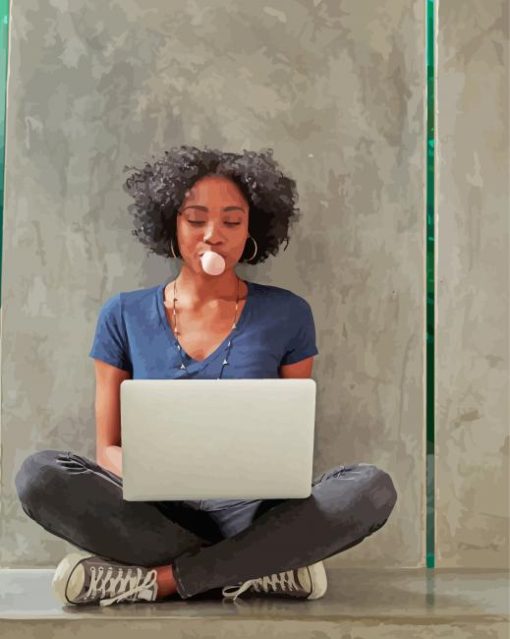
[{"x": 212, "y": 232}]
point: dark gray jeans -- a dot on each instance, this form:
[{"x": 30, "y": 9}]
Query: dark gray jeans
[{"x": 210, "y": 544}]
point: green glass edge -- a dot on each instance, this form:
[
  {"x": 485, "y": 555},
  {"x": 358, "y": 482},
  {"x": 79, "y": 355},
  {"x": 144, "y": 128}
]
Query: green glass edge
[
  {"x": 430, "y": 293},
  {"x": 4, "y": 43}
]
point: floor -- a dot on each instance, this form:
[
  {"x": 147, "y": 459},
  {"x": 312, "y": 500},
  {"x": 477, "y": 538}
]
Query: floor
[{"x": 360, "y": 603}]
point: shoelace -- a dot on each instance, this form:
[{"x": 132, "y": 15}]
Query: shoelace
[
  {"x": 114, "y": 580},
  {"x": 282, "y": 581}
]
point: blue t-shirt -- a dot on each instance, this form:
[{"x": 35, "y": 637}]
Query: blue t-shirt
[{"x": 275, "y": 327}]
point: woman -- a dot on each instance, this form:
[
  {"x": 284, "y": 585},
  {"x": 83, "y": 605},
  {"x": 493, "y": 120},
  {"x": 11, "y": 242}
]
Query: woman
[{"x": 208, "y": 323}]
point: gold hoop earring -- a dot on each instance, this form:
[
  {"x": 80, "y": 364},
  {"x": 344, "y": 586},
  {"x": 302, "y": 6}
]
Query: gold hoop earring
[
  {"x": 172, "y": 249},
  {"x": 256, "y": 249}
]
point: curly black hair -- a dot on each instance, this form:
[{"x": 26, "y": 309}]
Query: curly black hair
[{"x": 159, "y": 190}]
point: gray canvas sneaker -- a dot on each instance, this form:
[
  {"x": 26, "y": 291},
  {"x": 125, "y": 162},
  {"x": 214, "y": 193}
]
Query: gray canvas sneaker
[
  {"x": 308, "y": 582},
  {"x": 86, "y": 579}
]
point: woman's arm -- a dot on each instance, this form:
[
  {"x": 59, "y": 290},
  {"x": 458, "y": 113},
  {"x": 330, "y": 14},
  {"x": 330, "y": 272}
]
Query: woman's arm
[
  {"x": 112, "y": 459},
  {"x": 300, "y": 370},
  {"x": 108, "y": 431}
]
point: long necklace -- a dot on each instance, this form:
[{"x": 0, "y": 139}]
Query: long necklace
[{"x": 177, "y": 332}]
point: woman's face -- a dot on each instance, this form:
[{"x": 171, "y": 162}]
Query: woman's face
[{"x": 214, "y": 216}]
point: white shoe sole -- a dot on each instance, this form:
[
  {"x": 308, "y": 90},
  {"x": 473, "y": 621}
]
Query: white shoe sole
[{"x": 319, "y": 580}]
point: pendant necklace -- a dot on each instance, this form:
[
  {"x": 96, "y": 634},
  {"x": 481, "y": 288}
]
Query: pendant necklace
[{"x": 177, "y": 332}]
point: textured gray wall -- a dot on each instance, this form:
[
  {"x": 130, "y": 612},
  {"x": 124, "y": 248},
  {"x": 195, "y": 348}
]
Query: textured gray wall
[
  {"x": 472, "y": 348},
  {"x": 337, "y": 89}
]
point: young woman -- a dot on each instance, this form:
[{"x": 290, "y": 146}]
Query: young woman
[{"x": 211, "y": 210}]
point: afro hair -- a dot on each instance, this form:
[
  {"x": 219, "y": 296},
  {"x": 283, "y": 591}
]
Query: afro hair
[{"x": 158, "y": 190}]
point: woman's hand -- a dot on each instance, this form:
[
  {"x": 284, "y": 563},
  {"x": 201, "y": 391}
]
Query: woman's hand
[{"x": 111, "y": 459}]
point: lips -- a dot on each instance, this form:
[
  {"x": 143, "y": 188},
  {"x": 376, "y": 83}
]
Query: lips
[{"x": 213, "y": 250}]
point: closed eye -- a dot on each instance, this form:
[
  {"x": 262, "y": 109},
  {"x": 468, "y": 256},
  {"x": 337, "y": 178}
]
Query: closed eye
[{"x": 227, "y": 223}]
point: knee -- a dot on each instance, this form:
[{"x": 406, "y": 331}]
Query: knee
[
  {"x": 381, "y": 492},
  {"x": 34, "y": 475}
]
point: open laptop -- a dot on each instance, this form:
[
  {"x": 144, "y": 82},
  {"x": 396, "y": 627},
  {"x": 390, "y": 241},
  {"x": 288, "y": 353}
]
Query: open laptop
[{"x": 208, "y": 438}]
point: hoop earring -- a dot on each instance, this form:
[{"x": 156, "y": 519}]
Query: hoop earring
[
  {"x": 256, "y": 249},
  {"x": 172, "y": 249}
]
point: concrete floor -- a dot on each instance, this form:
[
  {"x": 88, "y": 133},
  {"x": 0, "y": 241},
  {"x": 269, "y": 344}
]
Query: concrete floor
[{"x": 359, "y": 603}]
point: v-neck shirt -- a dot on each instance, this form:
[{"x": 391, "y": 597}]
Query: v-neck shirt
[{"x": 275, "y": 327}]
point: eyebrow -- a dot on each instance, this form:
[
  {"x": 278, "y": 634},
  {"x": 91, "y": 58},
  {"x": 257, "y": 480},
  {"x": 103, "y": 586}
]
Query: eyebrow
[{"x": 201, "y": 207}]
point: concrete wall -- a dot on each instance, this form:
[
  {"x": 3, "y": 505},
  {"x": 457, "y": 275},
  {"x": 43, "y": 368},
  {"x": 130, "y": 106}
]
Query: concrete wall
[
  {"x": 338, "y": 90},
  {"x": 472, "y": 348}
]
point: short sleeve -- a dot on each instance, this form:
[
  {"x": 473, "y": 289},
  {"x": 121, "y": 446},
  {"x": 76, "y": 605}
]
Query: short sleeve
[
  {"x": 110, "y": 343},
  {"x": 302, "y": 343}
]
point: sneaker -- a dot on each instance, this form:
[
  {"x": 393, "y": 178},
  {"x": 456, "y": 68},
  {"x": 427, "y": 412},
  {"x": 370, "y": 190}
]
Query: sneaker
[
  {"x": 309, "y": 582},
  {"x": 85, "y": 579}
]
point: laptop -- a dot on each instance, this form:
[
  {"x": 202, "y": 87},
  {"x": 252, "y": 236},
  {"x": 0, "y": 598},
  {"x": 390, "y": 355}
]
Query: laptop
[{"x": 217, "y": 439}]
